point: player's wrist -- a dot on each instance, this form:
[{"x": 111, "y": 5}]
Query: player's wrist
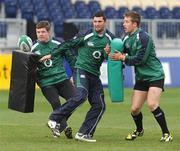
[{"x": 121, "y": 57}]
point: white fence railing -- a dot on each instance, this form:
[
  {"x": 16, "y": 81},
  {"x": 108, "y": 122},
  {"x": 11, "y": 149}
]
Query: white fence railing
[
  {"x": 10, "y": 30},
  {"x": 165, "y": 33}
]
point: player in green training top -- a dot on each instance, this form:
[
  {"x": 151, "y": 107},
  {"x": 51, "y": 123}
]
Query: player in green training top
[
  {"x": 51, "y": 75},
  {"x": 139, "y": 51},
  {"x": 88, "y": 84}
]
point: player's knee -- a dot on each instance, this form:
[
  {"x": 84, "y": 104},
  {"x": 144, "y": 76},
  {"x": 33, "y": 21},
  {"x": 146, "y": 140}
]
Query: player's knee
[
  {"x": 152, "y": 106},
  {"x": 101, "y": 107},
  {"x": 135, "y": 110},
  {"x": 84, "y": 95},
  {"x": 80, "y": 95}
]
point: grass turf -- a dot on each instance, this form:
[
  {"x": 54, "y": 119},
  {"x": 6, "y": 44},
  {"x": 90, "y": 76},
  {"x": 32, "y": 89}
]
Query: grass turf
[{"x": 28, "y": 132}]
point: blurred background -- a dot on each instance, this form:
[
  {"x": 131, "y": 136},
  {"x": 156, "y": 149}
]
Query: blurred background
[{"x": 161, "y": 18}]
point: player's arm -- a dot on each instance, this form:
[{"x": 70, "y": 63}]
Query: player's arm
[
  {"x": 117, "y": 56},
  {"x": 70, "y": 59},
  {"x": 143, "y": 50},
  {"x": 65, "y": 46},
  {"x": 140, "y": 57},
  {"x": 107, "y": 49}
]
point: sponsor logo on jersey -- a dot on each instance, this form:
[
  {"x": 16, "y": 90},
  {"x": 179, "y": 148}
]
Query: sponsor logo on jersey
[
  {"x": 38, "y": 52},
  {"x": 48, "y": 63},
  {"x": 90, "y": 43},
  {"x": 96, "y": 54}
]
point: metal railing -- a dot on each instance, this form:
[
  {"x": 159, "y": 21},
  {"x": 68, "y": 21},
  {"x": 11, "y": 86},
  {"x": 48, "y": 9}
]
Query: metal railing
[
  {"x": 10, "y": 30},
  {"x": 165, "y": 33}
]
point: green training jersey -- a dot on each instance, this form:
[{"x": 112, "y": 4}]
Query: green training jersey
[
  {"x": 91, "y": 52},
  {"x": 51, "y": 71},
  {"x": 141, "y": 54}
]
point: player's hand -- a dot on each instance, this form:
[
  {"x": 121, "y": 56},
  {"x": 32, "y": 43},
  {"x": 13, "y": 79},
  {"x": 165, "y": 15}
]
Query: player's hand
[
  {"x": 117, "y": 56},
  {"x": 107, "y": 49},
  {"x": 45, "y": 58}
]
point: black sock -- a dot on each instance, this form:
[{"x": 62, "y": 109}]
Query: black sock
[
  {"x": 138, "y": 121},
  {"x": 160, "y": 118}
]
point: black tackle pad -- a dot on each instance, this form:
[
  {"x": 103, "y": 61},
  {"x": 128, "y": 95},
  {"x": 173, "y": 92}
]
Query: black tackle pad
[{"x": 22, "y": 84}]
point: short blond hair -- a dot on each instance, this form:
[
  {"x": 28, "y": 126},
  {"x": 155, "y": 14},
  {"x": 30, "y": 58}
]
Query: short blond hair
[{"x": 135, "y": 17}]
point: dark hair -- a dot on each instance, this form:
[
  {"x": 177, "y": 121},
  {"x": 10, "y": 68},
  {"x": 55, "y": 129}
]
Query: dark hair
[
  {"x": 100, "y": 14},
  {"x": 43, "y": 24},
  {"x": 135, "y": 17}
]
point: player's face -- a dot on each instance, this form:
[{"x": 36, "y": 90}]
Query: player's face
[
  {"x": 99, "y": 24},
  {"x": 43, "y": 35},
  {"x": 129, "y": 26}
]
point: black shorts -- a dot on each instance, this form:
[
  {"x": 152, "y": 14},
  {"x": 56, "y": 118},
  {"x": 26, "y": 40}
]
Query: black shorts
[{"x": 145, "y": 85}]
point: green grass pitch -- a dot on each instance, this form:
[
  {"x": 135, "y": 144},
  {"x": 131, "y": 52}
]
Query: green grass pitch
[{"x": 28, "y": 132}]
